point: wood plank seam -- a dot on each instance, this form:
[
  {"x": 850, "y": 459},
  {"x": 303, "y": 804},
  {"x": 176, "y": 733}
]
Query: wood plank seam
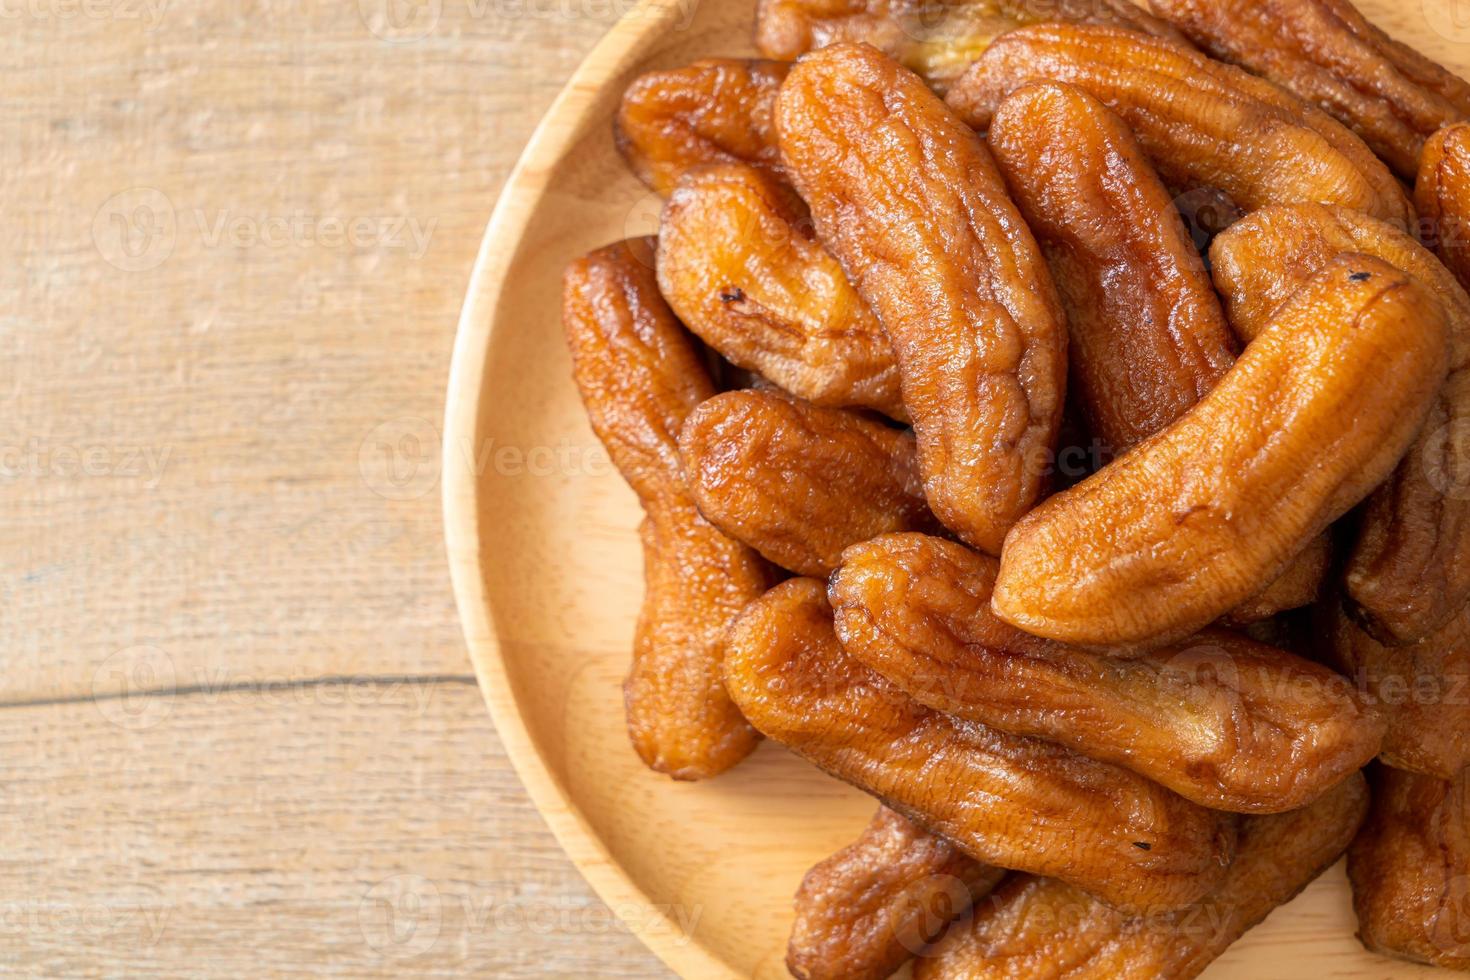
[{"x": 365, "y": 680}]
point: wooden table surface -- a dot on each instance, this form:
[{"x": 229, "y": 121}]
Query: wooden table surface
[{"x": 240, "y": 727}]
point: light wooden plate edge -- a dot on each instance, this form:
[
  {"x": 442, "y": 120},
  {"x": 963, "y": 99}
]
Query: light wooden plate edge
[{"x": 556, "y": 133}]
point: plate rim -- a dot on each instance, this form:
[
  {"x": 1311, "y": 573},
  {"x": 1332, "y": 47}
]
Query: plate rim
[{"x": 466, "y": 391}]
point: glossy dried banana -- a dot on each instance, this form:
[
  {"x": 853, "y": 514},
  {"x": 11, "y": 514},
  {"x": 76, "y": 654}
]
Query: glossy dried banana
[
  {"x": 1327, "y": 53},
  {"x": 938, "y": 41},
  {"x": 716, "y": 110},
  {"x": 800, "y": 483},
  {"x": 1044, "y": 929},
  {"x": 1442, "y": 193},
  {"x": 1226, "y": 722},
  {"x": 1148, "y": 337},
  {"x": 738, "y": 262},
  {"x": 1007, "y": 801},
  {"x": 868, "y": 909},
  {"x": 966, "y": 299},
  {"x": 1202, "y": 123},
  {"x": 1407, "y": 574},
  {"x": 1422, "y": 690},
  {"x": 640, "y": 376},
  {"x": 1194, "y": 520},
  {"x": 1410, "y": 869}
]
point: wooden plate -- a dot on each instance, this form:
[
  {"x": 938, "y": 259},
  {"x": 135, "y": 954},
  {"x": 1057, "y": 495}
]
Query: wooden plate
[{"x": 547, "y": 571}]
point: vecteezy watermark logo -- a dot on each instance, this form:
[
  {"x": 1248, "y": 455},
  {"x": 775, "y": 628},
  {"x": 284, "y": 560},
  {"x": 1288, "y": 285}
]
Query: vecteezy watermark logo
[
  {"x": 138, "y": 230},
  {"x": 122, "y": 924},
  {"x": 401, "y": 916},
  {"x": 1207, "y": 677},
  {"x": 132, "y": 687},
  {"x": 1446, "y": 459},
  {"x": 399, "y": 459},
  {"x": 135, "y": 230},
  {"x": 400, "y": 20},
  {"x": 1450, "y": 19},
  {"x": 925, "y": 908},
  {"x": 38, "y": 459},
  {"x": 301, "y": 229},
  {"x": 147, "y": 12},
  {"x": 643, "y": 217},
  {"x": 1206, "y": 213},
  {"x": 1447, "y": 921},
  {"x": 565, "y": 459}
]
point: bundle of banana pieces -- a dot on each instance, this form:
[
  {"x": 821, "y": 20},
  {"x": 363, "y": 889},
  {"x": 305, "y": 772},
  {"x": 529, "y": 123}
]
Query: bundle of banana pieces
[{"x": 1111, "y": 653}]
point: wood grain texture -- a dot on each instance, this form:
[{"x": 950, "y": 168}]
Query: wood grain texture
[
  {"x": 314, "y": 829},
  {"x": 236, "y": 714},
  {"x": 237, "y": 717},
  {"x": 548, "y": 580}
]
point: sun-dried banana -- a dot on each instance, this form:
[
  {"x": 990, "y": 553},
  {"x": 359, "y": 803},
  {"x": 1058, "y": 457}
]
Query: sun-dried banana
[
  {"x": 1222, "y": 720},
  {"x": 1422, "y": 690},
  {"x": 1410, "y": 869},
  {"x": 868, "y": 909},
  {"x": 937, "y": 39},
  {"x": 800, "y": 483},
  {"x": 1442, "y": 193},
  {"x": 1196, "y": 519},
  {"x": 1407, "y": 574},
  {"x": 738, "y": 262},
  {"x": 1044, "y": 929},
  {"x": 1005, "y": 800},
  {"x": 640, "y": 377},
  {"x": 716, "y": 110},
  {"x": 1331, "y": 56},
  {"x": 910, "y": 202},
  {"x": 1202, "y": 123},
  {"x": 1148, "y": 337}
]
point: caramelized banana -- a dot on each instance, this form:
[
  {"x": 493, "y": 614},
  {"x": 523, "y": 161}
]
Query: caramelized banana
[
  {"x": 716, "y": 110},
  {"x": 1007, "y": 801},
  {"x": 738, "y": 263},
  {"x": 1044, "y": 929},
  {"x": 640, "y": 376},
  {"x": 1226, "y": 722},
  {"x": 1422, "y": 690},
  {"x": 1148, "y": 338},
  {"x": 936, "y": 40},
  {"x": 800, "y": 483},
  {"x": 866, "y": 910},
  {"x": 1407, "y": 575},
  {"x": 1331, "y": 56},
  {"x": 1410, "y": 869},
  {"x": 910, "y": 202},
  {"x": 1194, "y": 520},
  {"x": 1443, "y": 195},
  {"x": 1202, "y": 123}
]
